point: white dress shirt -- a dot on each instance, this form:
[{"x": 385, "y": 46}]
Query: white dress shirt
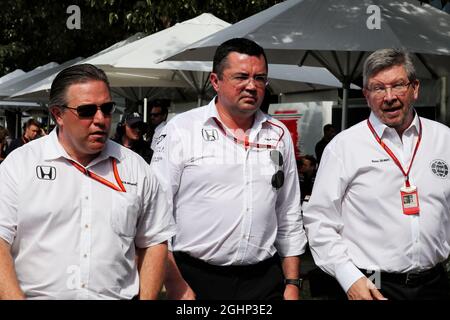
[
  {"x": 227, "y": 211},
  {"x": 73, "y": 237},
  {"x": 157, "y": 134},
  {"x": 355, "y": 219}
]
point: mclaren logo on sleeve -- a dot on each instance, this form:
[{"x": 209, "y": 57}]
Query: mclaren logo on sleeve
[
  {"x": 46, "y": 172},
  {"x": 210, "y": 134}
]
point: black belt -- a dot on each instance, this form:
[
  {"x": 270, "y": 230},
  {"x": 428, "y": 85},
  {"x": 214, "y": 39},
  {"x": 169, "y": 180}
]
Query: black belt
[
  {"x": 411, "y": 279},
  {"x": 235, "y": 269}
]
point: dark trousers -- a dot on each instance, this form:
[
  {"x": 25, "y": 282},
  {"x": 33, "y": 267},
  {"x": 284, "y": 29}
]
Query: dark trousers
[
  {"x": 262, "y": 281},
  {"x": 432, "y": 284}
]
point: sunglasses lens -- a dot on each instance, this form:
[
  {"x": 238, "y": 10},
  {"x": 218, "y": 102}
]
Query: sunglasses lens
[
  {"x": 278, "y": 179},
  {"x": 87, "y": 110},
  {"x": 108, "y": 108},
  {"x": 276, "y": 157}
]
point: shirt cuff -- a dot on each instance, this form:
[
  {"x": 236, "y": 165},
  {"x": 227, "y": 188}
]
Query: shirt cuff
[
  {"x": 143, "y": 242},
  {"x": 293, "y": 246},
  {"x": 347, "y": 274},
  {"x": 6, "y": 235}
]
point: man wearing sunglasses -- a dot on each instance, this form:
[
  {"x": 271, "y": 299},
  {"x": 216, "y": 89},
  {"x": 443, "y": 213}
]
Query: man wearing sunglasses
[
  {"x": 232, "y": 173},
  {"x": 379, "y": 210},
  {"x": 81, "y": 208},
  {"x": 130, "y": 132}
]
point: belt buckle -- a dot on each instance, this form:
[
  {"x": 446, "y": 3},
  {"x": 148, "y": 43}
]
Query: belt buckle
[
  {"x": 411, "y": 277},
  {"x": 408, "y": 279}
]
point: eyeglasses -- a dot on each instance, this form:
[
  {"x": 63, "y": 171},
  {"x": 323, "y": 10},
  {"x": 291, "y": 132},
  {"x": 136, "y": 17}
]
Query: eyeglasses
[
  {"x": 242, "y": 81},
  {"x": 278, "y": 177},
  {"x": 89, "y": 110},
  {"x": 398, "y": 89}
]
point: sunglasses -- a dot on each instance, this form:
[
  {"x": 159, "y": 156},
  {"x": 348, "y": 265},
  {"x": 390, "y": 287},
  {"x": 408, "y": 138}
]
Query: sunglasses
[
  {"x": 155, "y": 114},
  {"x": 278, "y": 177},
  {"x": 89, "y": 110}
]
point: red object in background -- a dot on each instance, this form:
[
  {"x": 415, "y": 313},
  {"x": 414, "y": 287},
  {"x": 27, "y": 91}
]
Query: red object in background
[{"x": 290, "y": 120}]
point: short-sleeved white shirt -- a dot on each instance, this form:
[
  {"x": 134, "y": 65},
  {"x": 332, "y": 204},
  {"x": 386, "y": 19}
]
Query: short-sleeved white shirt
[
  {"x": 226, "y": 209},
  {"x": 72, "y": 237}
]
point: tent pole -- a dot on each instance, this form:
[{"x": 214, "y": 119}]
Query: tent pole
[
  {"x": 345, "y": 88},
  {"x": 443, "y": 104},
  {"x": 145, "y": 110}
]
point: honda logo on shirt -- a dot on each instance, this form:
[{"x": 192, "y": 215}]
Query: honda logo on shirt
[
  {"x": 210, "y": 134},
  {"x": 46, "y": 172}
]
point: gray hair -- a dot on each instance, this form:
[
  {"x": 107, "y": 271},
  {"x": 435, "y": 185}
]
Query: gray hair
[
  {"x": 386, "y": 58},
  {"x": 79, "y": 73}
]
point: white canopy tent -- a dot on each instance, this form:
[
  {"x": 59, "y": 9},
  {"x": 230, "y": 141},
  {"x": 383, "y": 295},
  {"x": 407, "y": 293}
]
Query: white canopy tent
[
  {"x": 133, "y": 63},
  {"x": 338, "y": 35}
]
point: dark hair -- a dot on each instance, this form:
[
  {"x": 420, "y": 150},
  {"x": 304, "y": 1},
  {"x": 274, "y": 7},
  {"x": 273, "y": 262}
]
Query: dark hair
[
  {"x": 79, "y": 73},
  {"x": 161, "y": 103},
  {"x": 3, "y": 134},
  {"x": 31, "y": 122},
  {"x": 311, "y": 158},
  {"x": 327, "y": 127},
  {"x": 240, "y": 45},
  {"x": 120, "y": 131}
]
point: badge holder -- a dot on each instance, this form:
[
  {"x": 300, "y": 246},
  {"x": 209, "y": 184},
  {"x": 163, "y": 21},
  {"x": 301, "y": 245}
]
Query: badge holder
[{"x": 410, "y": 200}]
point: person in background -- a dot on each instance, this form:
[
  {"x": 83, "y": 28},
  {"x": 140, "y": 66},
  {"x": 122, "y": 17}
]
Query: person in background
[
  {"x": 32, "y": 130},
  {"x": 129, "y": 133},
  {"x": 3, "y": 143},
  {"x": 307, "y": 166},
  {"x": 380, "y": 206},
  {"x": 328, "y": 134},
  {"x": 231, "y": 171},
  {"x": 158, "y": 117}
]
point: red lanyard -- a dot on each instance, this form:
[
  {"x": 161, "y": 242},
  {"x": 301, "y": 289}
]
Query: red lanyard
[
  {"x": 392, "y": 155},
  {"x": 247, "y": 143},
  {"x": 107, "y": 183}
]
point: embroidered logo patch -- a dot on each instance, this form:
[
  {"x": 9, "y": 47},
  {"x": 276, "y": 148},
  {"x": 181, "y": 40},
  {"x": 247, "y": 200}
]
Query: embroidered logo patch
[
  {"x": 46, "y": 172},
  {"x": 210, "y": 134},
  {"x": 439, "y": 168}
]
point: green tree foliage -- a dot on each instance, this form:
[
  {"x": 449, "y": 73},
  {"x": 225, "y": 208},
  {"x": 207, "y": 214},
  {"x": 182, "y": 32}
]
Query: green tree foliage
[{"x": 33, "y": 33}]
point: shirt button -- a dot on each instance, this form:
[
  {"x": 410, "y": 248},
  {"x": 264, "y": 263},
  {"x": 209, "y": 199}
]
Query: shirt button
[
  {"x": 83, "y": 285},
  {"x": 87, "y": 198},
  {"x": 85, "y": 255},
  {"x": 86, "y": 226}
]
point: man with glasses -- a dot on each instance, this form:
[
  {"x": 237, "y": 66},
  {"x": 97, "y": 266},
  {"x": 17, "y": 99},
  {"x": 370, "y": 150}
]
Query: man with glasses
[
  {"x": 380, "y": 206},
  {"x": 232, "y": 173},
  {"x": 84, "y": 217}
]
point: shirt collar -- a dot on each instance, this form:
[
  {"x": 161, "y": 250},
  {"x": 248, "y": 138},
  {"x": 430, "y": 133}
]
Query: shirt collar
[
  {"x": 54, "y": 150},
  {"x": 381, "y": 128},
  {"x": 211, "y": 113}
]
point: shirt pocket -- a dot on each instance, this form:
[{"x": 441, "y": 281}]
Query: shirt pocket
[{"x": 125, "y": 213}]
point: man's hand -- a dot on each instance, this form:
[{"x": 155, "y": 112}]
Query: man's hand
[
  {"x": 364, "y": 289},
  {"x": 291, "y": 292},
  {"x": 179, "y": 290}
]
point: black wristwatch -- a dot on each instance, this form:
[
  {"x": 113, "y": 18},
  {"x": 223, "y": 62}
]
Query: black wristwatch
[{"x": 296, "y": 282}]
